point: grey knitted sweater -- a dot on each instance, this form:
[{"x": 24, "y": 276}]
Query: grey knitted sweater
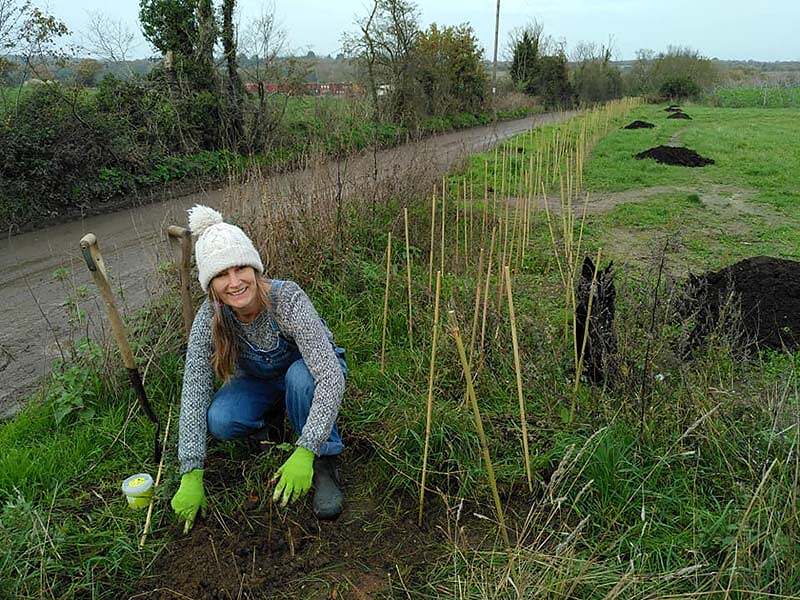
[{"x": 298, "y": 322}]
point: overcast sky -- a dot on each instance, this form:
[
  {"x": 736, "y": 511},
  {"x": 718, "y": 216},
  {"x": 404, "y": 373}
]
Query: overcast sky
[{"x": 727, "y": 29}]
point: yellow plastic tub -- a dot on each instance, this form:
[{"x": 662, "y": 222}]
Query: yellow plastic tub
[{"x": 138, "y": 490}]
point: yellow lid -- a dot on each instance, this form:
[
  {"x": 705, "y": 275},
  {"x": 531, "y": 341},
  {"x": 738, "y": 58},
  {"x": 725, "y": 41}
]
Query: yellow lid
[{"x": 138, "y": 484}]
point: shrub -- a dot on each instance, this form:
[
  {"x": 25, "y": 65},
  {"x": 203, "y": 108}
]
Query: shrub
[
  {"x": 650, "y": 71},
  {"x": 596, "y": 81},
  {"x": 679, "y": 88}
]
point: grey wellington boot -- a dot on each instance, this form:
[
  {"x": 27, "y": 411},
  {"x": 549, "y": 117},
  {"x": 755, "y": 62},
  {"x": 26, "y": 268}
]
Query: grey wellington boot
[{"x": 328, "y": 496}]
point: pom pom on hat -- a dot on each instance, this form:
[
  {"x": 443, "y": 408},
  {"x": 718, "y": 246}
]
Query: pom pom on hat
[
  {"x": 219, "y": 245},
  {"x": 201, "y": 218}
]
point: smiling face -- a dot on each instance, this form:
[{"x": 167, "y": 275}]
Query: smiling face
[{"x": 237, "y": 288}]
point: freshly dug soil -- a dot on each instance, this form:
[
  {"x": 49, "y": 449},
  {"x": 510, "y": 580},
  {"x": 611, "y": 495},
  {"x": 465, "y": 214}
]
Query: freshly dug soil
[
  {"x": 672, "y": 155},
  {"x": 679, "y": 115},
  {"x": 255, "y": 553},
  {"x": 757, "y": 300},
  {"x": 639, "y": 125}
]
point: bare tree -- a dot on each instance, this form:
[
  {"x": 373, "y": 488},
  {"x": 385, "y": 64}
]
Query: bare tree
[
  {"x": 364, "y": 49},
  {"x": 265, "y": 40},
  {"x": 37, "y": 41},
  {"x": 591, "y": 51},
  {"x": 108, "y": 39},
  {"x": 11, "y": 15},
  {"x": 385, "y": 46},
  {"x": 543, "y": 44}
]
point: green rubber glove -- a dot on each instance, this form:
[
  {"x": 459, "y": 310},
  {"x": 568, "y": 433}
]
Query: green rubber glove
[
  {"x": 295, "y": 476},
  {"x": 189, "y": 498}
]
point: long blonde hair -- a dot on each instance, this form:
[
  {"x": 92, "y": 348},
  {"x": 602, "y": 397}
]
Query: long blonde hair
[{"x": 223, "y": 333}]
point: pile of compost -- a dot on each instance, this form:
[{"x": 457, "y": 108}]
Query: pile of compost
[
  {"x": 673, "y": 155},
  {"x": 679, "y": 115},
  {"x": 639, "y": 125},
  {"x": 756, "y": 300}
]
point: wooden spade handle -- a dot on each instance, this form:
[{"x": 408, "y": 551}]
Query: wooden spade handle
[{"x": 94, "y": 261}]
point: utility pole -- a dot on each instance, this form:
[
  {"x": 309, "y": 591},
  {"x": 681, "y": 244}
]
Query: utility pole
[{"x": 494, "y": 64}]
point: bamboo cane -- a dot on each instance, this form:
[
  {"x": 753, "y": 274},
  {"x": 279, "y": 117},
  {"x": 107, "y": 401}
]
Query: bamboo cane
[
  {"x": 504, "y": 197},
  {"x": 485, "y": 198},
  {"x": 157, "y": 481},
  {"x": 478, "y": 424},
  {"x": 514, "y": 242},
  {"x": 471, "y": 202},
  {"x": 386, "y": 301},
  {"x": 433, "y": 233},
  {"x": 502, "y": 259},
  {"x": 518, "y": 369},
  {"x": 408, "y": 275},
  {"x": 573, "y": 270},
  {"x": 486, "y": 290},
  {"x": 494, "y": 185},
  {"x": 429, "y": 408},
  {"x": 556, "y": 156},
  {"x": 474, "y": 330},
  {"x": 466, "y": 240},
  {"x": 441, "y": 249},
  {"x": 457, "y": 227},
  {"x": 519, "y": 235},
  {"x": 529, "y": 183},
  {"x": 550, "y": 226}
]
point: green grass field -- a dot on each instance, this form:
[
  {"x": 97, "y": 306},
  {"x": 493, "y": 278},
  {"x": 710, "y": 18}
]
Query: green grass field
[
  {"x": 691, "y": 493},
  {"x": 746, "y": 204},
  {"x": 753, "y": 97}
]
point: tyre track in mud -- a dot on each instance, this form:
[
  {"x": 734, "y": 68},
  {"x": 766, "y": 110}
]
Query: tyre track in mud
[{"x": 37, "y": 326}]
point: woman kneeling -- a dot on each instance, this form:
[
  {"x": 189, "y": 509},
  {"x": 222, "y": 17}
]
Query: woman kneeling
[{"x": 265, "y": 341}]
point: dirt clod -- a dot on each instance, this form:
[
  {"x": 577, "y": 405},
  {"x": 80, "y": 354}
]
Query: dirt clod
[
  {"x": 679, "y": 115},
  {"x": 674, "y": 155},
  {"x": 639, "y": 125},
  {"x": 757, "y": 299}
]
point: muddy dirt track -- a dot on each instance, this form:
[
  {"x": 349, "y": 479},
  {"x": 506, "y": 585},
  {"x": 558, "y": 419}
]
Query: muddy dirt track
[{"x": 42, "y": 270}]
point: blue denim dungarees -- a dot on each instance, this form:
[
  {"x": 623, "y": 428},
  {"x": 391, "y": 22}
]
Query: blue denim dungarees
[{"x": 265, "y": 379}]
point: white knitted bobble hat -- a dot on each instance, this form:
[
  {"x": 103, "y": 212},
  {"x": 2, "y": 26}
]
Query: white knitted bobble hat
[{"x": 219, "y": 245}]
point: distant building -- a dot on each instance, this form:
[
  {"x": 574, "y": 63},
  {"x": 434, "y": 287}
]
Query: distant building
[{"x": 307, "y": 89}]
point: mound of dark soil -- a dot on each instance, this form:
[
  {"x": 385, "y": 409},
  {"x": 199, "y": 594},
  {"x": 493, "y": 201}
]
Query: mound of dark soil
[
  {"x": 673, "y": 108},
  {"x": 679, "y": 115},
  {"x": 639, "y": 125},
  {"x": 756, "y": 300},
  {"x": 672, "y": 155}
]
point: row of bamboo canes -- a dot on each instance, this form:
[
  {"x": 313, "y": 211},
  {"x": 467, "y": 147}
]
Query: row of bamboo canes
[{"x": 523, "y": 171}]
